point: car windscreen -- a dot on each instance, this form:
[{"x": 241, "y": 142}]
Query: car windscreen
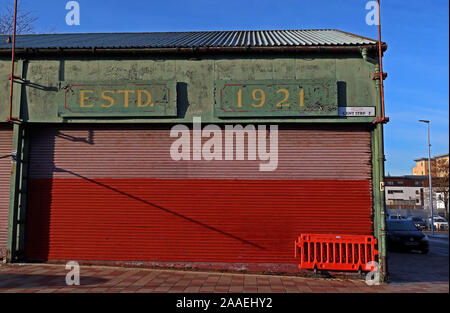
[{"x": 397, "y": 225}]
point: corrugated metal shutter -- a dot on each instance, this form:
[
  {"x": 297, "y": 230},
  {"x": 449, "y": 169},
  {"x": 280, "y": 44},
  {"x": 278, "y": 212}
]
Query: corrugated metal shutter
[
  {"x": 5, "y": 180},
  {"x": 114, "y": 193}
]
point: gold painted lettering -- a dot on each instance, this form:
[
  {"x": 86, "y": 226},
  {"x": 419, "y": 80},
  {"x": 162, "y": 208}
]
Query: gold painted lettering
[
  {"x": 261, "y": 98},
  {"x": 239, "y": 104},
  {"x": 149, "y": 98},
  {"x": 125, "y": 97},
  {"x": 286, "y": 96},
  {"x": 108, "y": 98},
  {"x": 83, "y": 97},
  {"x": 302, "y": 103}
]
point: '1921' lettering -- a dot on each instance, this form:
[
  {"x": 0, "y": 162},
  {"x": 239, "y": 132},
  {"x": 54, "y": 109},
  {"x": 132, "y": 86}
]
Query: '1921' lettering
[
  {"x": 142, "y": 98},
  {"x": 259, "y": 96}
]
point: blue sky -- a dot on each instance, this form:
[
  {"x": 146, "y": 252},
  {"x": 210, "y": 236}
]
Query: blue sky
[{"x": 416, "y": 31}]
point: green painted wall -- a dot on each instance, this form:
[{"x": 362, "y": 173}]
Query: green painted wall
[
  {"x": 195, "y": 90},
  {"x": 5, "y": 70},
  {"x": 195, "y": 79}
]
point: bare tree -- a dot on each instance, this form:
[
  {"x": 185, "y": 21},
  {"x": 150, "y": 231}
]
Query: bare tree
[
  {"x": 24, "y": 24},
  {"x": 442, "y": 182}
]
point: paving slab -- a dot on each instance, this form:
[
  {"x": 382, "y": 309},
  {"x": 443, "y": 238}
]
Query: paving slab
[{"x": 50, "y": 278}]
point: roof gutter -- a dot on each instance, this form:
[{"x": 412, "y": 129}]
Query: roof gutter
[{"x": 194, "y": 50}]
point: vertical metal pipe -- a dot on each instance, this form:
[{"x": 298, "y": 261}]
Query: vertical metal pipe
[
  {"x": 379, "y": 140},
  {"x": 430, "y": 180},
  {"x": 380, "y": 55},
  {"x": 11, "y": 91}
]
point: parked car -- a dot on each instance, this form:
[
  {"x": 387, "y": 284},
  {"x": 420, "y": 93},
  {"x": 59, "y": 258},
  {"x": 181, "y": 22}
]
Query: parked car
[
  {"x": 439, "y": 223},
  {"x": 418, "y": 221},
  {"x": 404, "y": 236},
  {"x": 396, "y": 217}
]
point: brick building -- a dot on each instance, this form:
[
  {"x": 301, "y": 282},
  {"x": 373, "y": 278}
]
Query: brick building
[{"x": 421, "y": 167}]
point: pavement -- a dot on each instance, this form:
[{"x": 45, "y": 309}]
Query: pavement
[
  {"x": 48, "y": 278},
  {"x": 409, "y": 273}
]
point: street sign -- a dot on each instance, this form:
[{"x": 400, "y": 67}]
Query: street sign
[{"x": 356, "y": 111}]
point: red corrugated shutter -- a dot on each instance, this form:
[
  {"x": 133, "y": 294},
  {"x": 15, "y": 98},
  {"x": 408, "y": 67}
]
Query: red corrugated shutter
[
  {"x": 5, "y": 180},
  {"x": 114, "y": 193}
]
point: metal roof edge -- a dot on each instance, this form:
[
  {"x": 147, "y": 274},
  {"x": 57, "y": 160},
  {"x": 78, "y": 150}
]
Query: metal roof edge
[
  {"x": 190, "y": 31},
  {"x": 138, "y": 51},
  {"x": 154, "y": 40}
]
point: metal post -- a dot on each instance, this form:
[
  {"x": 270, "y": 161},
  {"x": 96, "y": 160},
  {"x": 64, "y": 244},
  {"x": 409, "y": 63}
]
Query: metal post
[
  {"x": 430, "y": 180},
  {"x": 11, "y": 91}
]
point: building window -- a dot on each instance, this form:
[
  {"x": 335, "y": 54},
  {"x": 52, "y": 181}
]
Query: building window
[
  {"x": 417, "y": 192},
  {"x": 394, "y": 191},
  {"x": 400, "y": 182},
  {"x": 418, "y": 201},
  {"x": 390, "y": 183}
]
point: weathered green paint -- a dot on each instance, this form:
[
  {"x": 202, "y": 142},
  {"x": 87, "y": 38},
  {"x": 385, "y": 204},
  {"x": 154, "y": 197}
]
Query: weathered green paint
[
  {"x": 380, "y": 200},
  {"x": 11, "y": 245},
  {"x": 196, "y": 97},
  {"x": 16, "y": 170},
  {"x": 271, "y": 98},
  {"x": 195, "y": 83},
  {"x": 378, "y": 183},
  {"x": 23, "y": 193},
  {"x": 117, "y": 98}
]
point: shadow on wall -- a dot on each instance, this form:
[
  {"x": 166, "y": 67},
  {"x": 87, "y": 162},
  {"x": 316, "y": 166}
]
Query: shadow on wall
[
  {"x": 40, "y": 213},
  {"x": 161, "y": 208},
  {"x": 42, "y": 218}
]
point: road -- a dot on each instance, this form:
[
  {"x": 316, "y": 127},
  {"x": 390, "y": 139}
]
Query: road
[
  {"x": 439, "y": 247},
  {"x": 416, "y": 267}
]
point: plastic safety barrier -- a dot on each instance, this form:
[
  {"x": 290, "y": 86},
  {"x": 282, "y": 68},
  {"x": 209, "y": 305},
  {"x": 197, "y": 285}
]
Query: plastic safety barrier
[{"x": 336, "y": 252}]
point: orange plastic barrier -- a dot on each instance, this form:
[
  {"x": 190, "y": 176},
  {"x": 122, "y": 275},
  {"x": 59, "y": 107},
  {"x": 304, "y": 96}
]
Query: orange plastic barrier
[{"x": 336, "y": 252}]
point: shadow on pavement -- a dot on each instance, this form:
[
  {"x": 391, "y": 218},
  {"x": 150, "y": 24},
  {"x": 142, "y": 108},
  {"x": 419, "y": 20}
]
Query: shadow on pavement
[{"x": 20, "y": 281}]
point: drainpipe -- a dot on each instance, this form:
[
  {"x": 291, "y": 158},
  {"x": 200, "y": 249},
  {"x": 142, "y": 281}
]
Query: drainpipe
[
  {"x": 381, "y": 158},
  {"x": 380, "y": 75},
  {"x": 378, "y": 160},
  {"x": 378, "y": 155}
]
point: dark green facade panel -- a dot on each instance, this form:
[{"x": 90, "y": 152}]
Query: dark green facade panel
[
  {"x": 117, "y": 99},
  {"x": 195, "y": 85},
  {"x": 276, "y": 98}
]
